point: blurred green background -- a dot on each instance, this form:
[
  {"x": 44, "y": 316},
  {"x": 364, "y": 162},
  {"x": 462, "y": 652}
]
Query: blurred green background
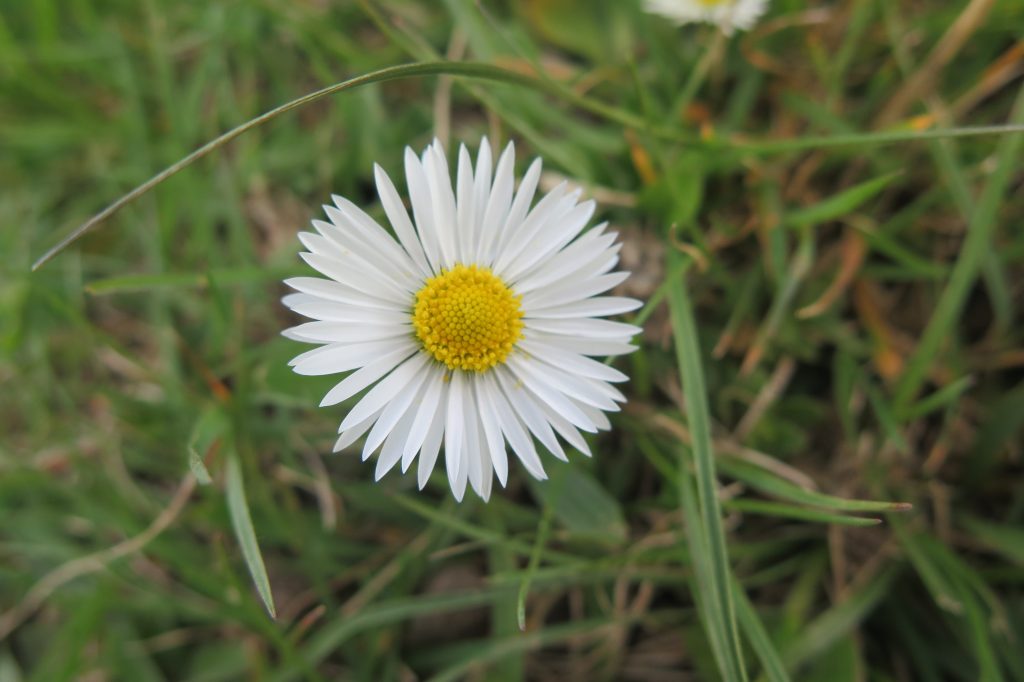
[{"x": 858, "y": 321}]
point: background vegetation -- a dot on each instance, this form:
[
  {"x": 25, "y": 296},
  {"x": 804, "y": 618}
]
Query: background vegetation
[{"x": 834, "y": 314}]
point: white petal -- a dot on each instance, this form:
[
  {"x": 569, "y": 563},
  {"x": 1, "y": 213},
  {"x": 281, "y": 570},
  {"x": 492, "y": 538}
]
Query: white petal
[
  {"x": 399, "y": 219},
  {"x": 356, "y": 276},
  {"x": 383, "y": 256},
  {"x": 581, "y": 344},
  {"x": 517, "y": 436},
  {"x": 459, "y": 486},
  {"x": 728, "y": 16},
  {"x": 569, "y": 292},
  {"x": 422, "y": 209},
  {"x": 588, "y": 391},
  {"x": 566, "y": 430},
  {"x": 475, "y": 452},
  {"x": 548, "y": 213},
  {"x": 442, "y": 198},
  {"x": 344, "y": 357},
  {"x": 491, "y": 429},
  {"x": 599, "y": 418},
  {"x": 426, "y": 407},
  {"x": 345, "y": 332},
  {"x": 498, "y": 204},
  {"x": 466, "y": 231},
  {"x": 365, "y": 376},
  {"x": 351, "y": 435},
  {"x": 520, "y": 206},
  {"x": 585, "y": 327},
  {"x": 481, "y": 191},
  {"x": 486, "y": 472},
  {"x": 381, "y": 394},
  {"x": 340, "y": 246},
  {"x": 552, "y": 238},
  {"x": 432, "y": 443},
  {"x": 575, "y": 262},
  {"x": 453, "y": 432},
  {"x": 548, "y": 219},
  {"x": 525, "y": 406},
  {"x": 392, "y": 450},
  {"x": 336, "y": 291},
  {"x": 570, "y": 362},
  {"x": 393, "y": 412},
  {"x": 355, "y": 221},
  {"x": 590, "y": 307},
  {"x": 550, "y": 396},
  {"x": 318, "y": 308}
]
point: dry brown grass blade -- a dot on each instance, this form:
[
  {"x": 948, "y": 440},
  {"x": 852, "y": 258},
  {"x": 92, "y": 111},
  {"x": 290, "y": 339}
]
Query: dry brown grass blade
[
  {"x": 1009, "y": 65},
  {"x": 851, "y": 257},
  {"x": 922, "y": 81},
  {"x": 92, "y": 563},
  {"x": 766, "y": 397},
  {"x": 886, "y": 358},
  {"x": 760, "y": 58},
  {"x": 443, "y": 94}
]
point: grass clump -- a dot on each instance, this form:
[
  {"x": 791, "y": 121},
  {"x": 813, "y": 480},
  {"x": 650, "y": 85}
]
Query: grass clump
[{"x": 820, "y": 214}]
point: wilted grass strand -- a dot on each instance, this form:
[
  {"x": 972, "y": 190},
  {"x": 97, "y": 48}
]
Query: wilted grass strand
[{"x": 465, "y": 69}]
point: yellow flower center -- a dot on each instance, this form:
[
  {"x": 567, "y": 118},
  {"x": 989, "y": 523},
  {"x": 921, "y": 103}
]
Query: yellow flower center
[
  {"x": 713, "y": 3},
  {"x": 467, "y": 318}
]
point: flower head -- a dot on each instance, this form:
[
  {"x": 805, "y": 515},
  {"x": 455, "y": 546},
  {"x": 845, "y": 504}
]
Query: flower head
[
  {"x": 727, "y": 14},
  {"x": 476, "y": 328}
]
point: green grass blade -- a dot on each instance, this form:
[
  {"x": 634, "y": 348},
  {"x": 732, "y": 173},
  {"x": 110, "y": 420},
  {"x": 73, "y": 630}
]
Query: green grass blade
[
  {"x": 968, "y": 265},
  {"x": 465, "y": 69},
  {"x": 799, "y": 144},
  {"x": 827, "y": 629},
  {"x": 788, "y": 511},
  {"x": 699, "y": 558},
  {"x": 492, "y": 650},
  {"x": 760, "y": 642},
  {"x": 336, "y": 632},
  {"x": 841, "y": 204},
  {"x": 691, "y": 372},
  {"x": 531, "y": 568},
  {"x": 206, "y": 434},
  {"x": 241, "y": 522},
  {"x": 1007, "y": 540},
  {"x": 771, "y": 484},
  {"x": 581, "y": 505},
  {"x": 941, "y": 398}
]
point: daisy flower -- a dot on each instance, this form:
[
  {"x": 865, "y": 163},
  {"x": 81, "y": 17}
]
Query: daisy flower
[
  {"x": 727, "y": 14},
  {"x": 476, "y": 328}
]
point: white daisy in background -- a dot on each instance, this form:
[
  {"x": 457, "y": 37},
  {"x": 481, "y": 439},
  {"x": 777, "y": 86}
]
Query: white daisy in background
[
  {"x": 475, "y": 328},
  {"x": 728, "y": 15}
]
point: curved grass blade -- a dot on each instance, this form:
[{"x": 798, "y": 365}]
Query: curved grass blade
[
  {"x": 238, "y": 509},
  {"x": 494, "y": 73},
  {"x": 466, "y": 69}
]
